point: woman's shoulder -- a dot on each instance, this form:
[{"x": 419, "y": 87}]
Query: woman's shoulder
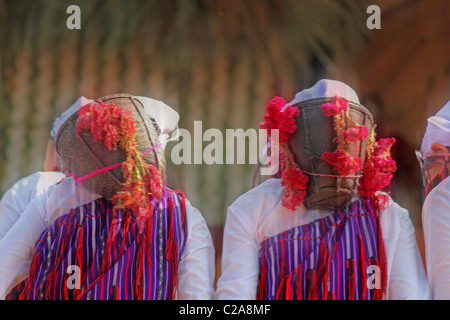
[{"x": 269, "y": 191}]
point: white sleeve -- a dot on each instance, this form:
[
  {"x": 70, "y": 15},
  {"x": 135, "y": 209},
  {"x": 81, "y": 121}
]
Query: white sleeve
[
  {"x": 240, "y": 264},
  {"x": 16, "y": 199},
  {"x": 17, "y": 246},
  {"x": 436, "y": 227},
  {"x": 196, "y": 268},
  {"x": 407, "y": 277},
  {"x": 11, "y": 207}
]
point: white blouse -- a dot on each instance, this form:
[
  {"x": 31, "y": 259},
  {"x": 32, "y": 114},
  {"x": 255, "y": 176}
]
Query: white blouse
[
  {"x": 436, "y": 229},
  {"x": 21, "y": 193},
  {"x": 195, "y": 269},
  {"x": 258, "y": 215}
]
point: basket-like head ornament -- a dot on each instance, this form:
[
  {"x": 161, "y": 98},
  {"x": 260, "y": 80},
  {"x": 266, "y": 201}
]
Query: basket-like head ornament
[
  {"x": 90, "y": 140},
  {"x": 111, "y": 145},
  {"x": 327, "y": 144}
]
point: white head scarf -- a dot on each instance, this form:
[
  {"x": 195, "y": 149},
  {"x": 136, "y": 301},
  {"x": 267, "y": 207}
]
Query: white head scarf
[
  {"x": 166, "y": 118},
  {"x": 326, "y": 88},
  {"x": 438, "y": 129},
  {"x": 81, "y": 101}
]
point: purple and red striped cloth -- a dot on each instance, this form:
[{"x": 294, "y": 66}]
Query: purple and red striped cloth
[
  {"x": 338, "y": 257},
  {"x": 95, "y": 252}
]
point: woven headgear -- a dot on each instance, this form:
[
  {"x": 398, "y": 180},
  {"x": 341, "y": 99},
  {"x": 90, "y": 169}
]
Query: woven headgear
[
  {"x": 316, "y": 134},
  {"x": 328, "y": 148},
  {"x": 164, "y": 116},
  {"x": 82, "y": 154}
]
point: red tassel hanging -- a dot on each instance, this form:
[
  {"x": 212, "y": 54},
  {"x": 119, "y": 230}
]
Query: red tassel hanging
[
  {"x": 322, "y": 270},
  {"x": 261, "y": 294},
  {"x": 79, "y": 250},
  {"x": 65, "y": 288},
  {"x": 171, "y": 245},
  {"x": 312, "y": 293},
  {"x": 106, "y": 260},
  {"x": 289, "y": 289},
  {"x": 138, "y": 290},
  {"x": 48, "y": 286},
  {"x": 35, "y": 264},
  {"x": 377, "y": 292},
  {"x": 106, "y": 257},
  {"x": 282, "y": 280},
  {"x": 16, "y": 291},
  {"x": 150, "y": 232},
  {"x": 351, "y": 279},
  {"x": 172, "y": 249},
  {"x": 326, "y": 276},
  {"x": 149, "y": 238},
  {"x": 79, "y": 253},
  {"x": 52, "y": 277},
  {"x": 378, "y": 204},
  {"x": 149, "y": 235},
  {"x": 382, "y": 262},
  {"x": 126, "y": 220},
  {"x": 173, "y": 282},
  {"x": 114, "y": 292},
  {"x": 363, "y": 268},
  {"x": 299, "y": 283},
  {"x": 381, "y": 251}
]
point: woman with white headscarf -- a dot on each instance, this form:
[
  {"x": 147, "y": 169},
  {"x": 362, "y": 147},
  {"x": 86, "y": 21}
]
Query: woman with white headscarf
[
  {"x": 324, "y": 230},
  {"x": 434, "y": 160},
  {"x": 153, "y": 245}
]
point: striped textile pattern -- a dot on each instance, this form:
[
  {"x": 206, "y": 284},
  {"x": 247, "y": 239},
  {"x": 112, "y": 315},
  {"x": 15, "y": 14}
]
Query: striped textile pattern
[
  {"x": 115, "y": 260},
  {"x": 326, "y": 259}
]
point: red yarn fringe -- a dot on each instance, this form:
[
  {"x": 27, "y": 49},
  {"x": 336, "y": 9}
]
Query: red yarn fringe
[
  {"x": 138, "y": 290},
  {"x": 282, "y": 281},
  {"x": 289, "y": 289},
  {"x": 311, "y": 277},
  {"x": 261, "y": 294},
  {"x": 150, "y": 235},
  {"x": 172, "y": 250},
  {"x": 351, "y": 278},
  {"x": 380, "y": 204},
  {"x": 114, "y": 292},
  {"x": 106, "y": 260},
  {"x": 298, "y": 289},
  {"x": 50, "y": 280},
  {"x": 79, "y": 250},
  {"x": 126, "y": 221},
  {"x": 35, "y": 264},
  {"x": 322, "y": 272},
  {"x": 363, "y": 268}
]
